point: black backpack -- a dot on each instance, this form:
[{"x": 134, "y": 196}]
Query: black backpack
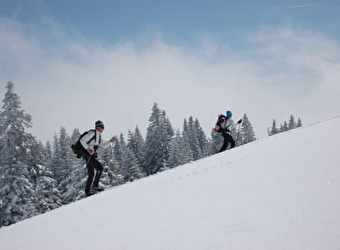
[
  {"x": 76, "y": 146},
  {"x": 85, "y": 133}
]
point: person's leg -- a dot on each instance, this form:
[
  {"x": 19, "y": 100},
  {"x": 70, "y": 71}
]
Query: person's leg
[
  {"x": 89, "y": 165},
  {"x": 225, "y": 144},
  {"x": 232, "y": 141},
  {"x": 90, "y": 171},
  {"x": 99, "y": 168}
]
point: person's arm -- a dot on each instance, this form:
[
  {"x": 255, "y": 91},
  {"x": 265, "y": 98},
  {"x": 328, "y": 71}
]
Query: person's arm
[
  {"x": 229, "y": 124},
  {"x": 107, "y": 144}
]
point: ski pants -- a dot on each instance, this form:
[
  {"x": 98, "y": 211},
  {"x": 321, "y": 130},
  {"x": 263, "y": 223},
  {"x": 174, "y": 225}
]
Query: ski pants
[
  {"x": 227, "y": 138},
  {"x": 92, "y": 164}
]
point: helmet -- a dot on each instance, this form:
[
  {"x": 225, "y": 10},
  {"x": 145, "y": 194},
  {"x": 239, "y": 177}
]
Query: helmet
[
  {"x": 99, "y": 124},
  {"x": 229, "y": 113}
]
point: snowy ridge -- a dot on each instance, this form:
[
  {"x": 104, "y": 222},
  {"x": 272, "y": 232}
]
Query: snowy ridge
[{"x": 280, "y": 192}]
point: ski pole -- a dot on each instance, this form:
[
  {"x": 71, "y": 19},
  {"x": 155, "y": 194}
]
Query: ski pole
[
  {"x": 238, "y": 131},
  {"x": 88, "y": 161}
]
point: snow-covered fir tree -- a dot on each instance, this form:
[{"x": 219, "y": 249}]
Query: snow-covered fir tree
[
  {"x": 130, "y": 168},
  {"x": 274, "y": 130},
  {"x": 136, "y": 145},
  {"x": 284, "y": 127},
  {"x": 119, "y": 155},
  {"x": 66, "y": 154},
  {"x": 291, "y": 123},
  {"x": 118, "y": 149},
  {"x": 47, "y": 193},
  {"x": 17, "y": 195},
  {"x": 46, "y": 151},
  {"x": 56, "y": 159},
  {"x": 299, "y": 123},
  {"x": 179, "y": 152},
  {"x": 73, "y": 184},
  {"x": 64, "y": 169},
  {"x": 190, "y": 132},
  {"x": 158, "y": 137},
  {"x": 247, "y": 133},
  {"x": 75, "y": 136},
  {"x": 194, "y": 136},
  {"x": 111, "y": 175},
  {"x": 187, "y": 140},
  {"x": 202, "y": 139}
]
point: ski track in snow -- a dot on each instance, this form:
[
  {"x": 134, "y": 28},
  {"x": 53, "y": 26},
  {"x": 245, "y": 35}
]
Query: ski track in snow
[{"x": 280, "y": 192}]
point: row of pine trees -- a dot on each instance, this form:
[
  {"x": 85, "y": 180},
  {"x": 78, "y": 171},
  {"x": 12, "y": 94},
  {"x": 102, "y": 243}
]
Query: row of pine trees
[
  {"x": 36, "y": 177},
  {"x": 285, "y": 126}
]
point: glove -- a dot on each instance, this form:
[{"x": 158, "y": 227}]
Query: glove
[{"x": 239, "y": 121}]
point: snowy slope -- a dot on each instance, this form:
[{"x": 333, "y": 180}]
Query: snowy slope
[{"x": 281, "y": 192}]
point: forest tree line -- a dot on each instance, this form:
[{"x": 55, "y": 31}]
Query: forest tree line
[{"x": 37, "y": 177}]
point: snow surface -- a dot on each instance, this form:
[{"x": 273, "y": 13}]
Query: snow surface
[{"x": 281, "y": 192}]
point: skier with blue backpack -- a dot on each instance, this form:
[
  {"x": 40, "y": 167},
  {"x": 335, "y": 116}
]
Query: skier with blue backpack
[
  {"x": 223, "y": 127},
  {"x": 86, "y": 147}
]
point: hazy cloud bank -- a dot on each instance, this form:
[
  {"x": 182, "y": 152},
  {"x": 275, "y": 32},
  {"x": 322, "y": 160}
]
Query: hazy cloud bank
[{"x": 66, "y": 79}]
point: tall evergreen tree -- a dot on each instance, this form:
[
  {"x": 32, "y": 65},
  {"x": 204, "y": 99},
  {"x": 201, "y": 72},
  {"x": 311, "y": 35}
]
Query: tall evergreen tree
[
  {"x": 75, "y": 135},
  {"x": 299, "y": 123},
  {"x": 284, "y": 127},
  {"x": 65, "y": 153},
  {"x": 65, "y": 167},
  {"x": 136, "y": 145},
  {"x": 179, "y": 152},
  {"x": 247, "y": 133},
  {"x": 56, "y": 159},
  {"x": 118, "y": 149},
  {"x": 47, "y": 193},
  {"x": 186, "y": 141},
  {"x": 111, "y": 176},
  {"x": 291, "y": 123},
  {"x": 158, "y": 137},
  {"x": 130, "y": 168},
  {"x": 17, "y": 196},
  {"x": 73, "y": 184},
  {"x": 202, "y": 139},
  {"x": 47, "y": 196},
  {"x": 191, "y": 132},
  {"x": 47, "y": 154},
  {"x": 274, "y": 130}
]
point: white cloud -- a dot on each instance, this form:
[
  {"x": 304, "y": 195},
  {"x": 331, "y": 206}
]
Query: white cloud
[
  {"x": 65, "y": 79},
  {"x": 309, "y": 5}
]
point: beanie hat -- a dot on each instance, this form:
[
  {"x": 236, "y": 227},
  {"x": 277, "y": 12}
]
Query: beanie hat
[{"x": 99, "y": 124}]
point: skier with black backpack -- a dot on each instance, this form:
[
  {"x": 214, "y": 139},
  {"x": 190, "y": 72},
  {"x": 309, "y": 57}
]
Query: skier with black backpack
[
  {"x": 86, "y": 147},
  {"x": 223, "y": 126}
]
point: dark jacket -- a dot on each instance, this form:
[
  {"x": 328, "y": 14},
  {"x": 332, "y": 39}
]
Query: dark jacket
[{"x": 223, "y": 124}]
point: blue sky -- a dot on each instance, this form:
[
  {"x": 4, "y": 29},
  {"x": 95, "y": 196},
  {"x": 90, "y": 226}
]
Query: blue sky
[
  {"x": 179, "y": 21},
  {"x": 264, "y": 58}
]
